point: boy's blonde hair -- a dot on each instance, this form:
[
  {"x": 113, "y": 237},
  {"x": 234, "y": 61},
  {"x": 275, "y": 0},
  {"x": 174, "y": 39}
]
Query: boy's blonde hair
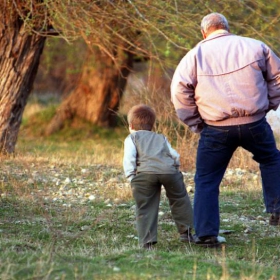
[{"x": 141, "y": 117}]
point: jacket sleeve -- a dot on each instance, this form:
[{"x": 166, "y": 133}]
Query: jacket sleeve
[
  {"x": 272, "y": 78},
  {"x": 129, "y": 159},
  {"x": 183, "y": 86}
]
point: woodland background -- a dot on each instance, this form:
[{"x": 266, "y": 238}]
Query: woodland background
[
  {"x": 69, "y": 72},
  {"x": 91, "y": 54}
]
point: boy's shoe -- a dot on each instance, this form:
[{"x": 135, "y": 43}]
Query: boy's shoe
[
  {"x": 149, "y": 246},
  {"x": 208, "y": 241},
  {"x": 186, "y": 237},
  {"x": 274, "y": 219}
]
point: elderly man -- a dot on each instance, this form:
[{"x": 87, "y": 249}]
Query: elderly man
[{"x": 223, "y": 89}]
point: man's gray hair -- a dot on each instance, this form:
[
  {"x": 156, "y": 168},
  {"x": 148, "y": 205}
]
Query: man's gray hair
[{"x": 214, "y": 20}]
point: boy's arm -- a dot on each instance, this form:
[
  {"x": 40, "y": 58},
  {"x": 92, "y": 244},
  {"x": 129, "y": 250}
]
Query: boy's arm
[
  {"x": 129, "y": 159},
  {"x": 173, "y": 153}
]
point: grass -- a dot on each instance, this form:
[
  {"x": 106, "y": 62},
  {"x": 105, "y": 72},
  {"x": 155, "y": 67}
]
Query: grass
[{"x": 66, "y": 212}]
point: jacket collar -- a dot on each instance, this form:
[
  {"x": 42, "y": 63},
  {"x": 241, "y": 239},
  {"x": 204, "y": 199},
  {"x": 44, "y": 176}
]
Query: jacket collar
[{"x": 218, "y": 32}]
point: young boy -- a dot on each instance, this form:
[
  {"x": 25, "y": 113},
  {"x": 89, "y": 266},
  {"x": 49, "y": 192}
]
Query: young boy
[{"x": 150, "y": 162}]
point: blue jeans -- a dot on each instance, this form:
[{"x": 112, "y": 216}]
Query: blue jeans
[{"x": 215, "y": 149}]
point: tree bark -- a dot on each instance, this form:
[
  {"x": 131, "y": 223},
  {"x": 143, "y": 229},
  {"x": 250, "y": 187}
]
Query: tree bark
[
  {"x": 99, "y": 91},
  {"x": 19, "y": 59}
]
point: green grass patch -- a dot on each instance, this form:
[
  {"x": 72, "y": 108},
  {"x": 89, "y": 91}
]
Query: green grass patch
[{"x": 51, "y": 229}]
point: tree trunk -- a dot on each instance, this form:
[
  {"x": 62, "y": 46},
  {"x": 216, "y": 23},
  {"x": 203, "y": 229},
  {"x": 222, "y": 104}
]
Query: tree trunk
[
  {"x": 19, "y": 59},
  {"x": 99, "y": 91}
]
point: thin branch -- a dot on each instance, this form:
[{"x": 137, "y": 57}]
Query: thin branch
[{"x": 158, "y": 30}]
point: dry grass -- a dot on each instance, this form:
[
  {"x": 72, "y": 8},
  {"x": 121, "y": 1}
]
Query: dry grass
[
  {"x": 154, "y": 91},
  {"x": 64, "y": 219}
]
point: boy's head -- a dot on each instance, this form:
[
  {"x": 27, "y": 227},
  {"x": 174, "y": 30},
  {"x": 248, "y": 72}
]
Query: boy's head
[{"x": 141, "y": 117}]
